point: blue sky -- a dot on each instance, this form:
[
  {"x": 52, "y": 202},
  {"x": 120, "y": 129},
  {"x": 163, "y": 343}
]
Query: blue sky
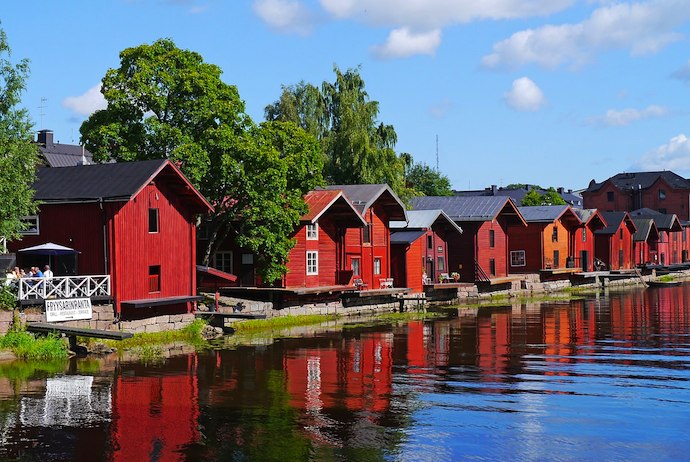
[{"x": 548, "y": 92}]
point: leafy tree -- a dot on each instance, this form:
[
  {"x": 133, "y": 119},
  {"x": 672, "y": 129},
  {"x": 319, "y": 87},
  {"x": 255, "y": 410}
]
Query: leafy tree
[
  {"x": 18, "y": 154},
  {"x": 534, "y": 197},
  {"x": 165, "y": 102},
  {"x": 427, "y": 181}
]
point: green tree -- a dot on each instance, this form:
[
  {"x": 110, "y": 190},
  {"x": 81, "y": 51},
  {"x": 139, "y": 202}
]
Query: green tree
[
  {"x": 18, "y": 154},
  {"x": 427, "y": 181},
  {"x": 534, "y": 197},
  {"x": 551, "y": 197},
  {"x": 165, "y": 102}
]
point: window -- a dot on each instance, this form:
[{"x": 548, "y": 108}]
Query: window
[
  {"x": 429, "y": 242},
  {"x": 312, "y": 262},
  {"x": 556, "y": 259},
  {"x": 441, "y": 264},
  {"x": 153, "y": 220},
  {"x": 662, "y": 194},
  {"x": 354, "y": 265},
  {"x": 517, "y": 258},
  {"x": 30, "y": 226},
  {"x": 492, "y": 267},
  {"x": 223, "y": 261},
  {"x": 439, "y": 249},
  {"x": 492, "y": 238},
  {"x": 620, "y": 233},
  {"x": 377, "y": 265},
  {"x": 609, "y": 196},
  {"x": 584, "y": 234},
  {"x": 621, "y": 261},
  {"x": 154, "y": 278},
  {"x": 554, "y": 234},
  {"x": 312, "y": 232},
  {"x": 366, "y": 234}
]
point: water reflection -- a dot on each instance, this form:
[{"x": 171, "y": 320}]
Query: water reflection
[{"x": 603, "y": 378}]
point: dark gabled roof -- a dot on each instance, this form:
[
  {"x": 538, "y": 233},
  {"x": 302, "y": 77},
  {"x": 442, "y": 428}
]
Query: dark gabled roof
[
  {"x": 587, "y": 216},
  {"x": 59, "y": 154},
  {"x": 614, "y": 221},
  {"x": 406, "y": 237},
  {"x": 549, "y": 214},
  {"x": 641, "y": 180},
  {"x": 570, "y": 197},
  {"x": 363, "y": 196},
  {"x": 425, "y": 219},
  {"x": 334, "y": 201},
  {"x": 109, "y": 182},
  {"x": 458, "y": 208},
  {"x": 645, "y": 229},
  {"x": 663, "y": 221}
]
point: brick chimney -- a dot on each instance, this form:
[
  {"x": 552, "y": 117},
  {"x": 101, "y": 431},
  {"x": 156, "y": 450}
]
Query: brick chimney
[{"x": 45, "y": 137}]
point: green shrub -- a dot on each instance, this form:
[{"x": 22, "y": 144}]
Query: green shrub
[{"x": 8, "y": 299}]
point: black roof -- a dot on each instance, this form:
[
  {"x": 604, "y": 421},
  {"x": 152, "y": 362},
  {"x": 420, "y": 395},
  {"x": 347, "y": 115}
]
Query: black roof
[
  {"x": 116, "y": 181},
  {"x": 406, "y": 237},
  {"x": 543, "y": 213},
  {"x": 570, "y": 197},
  {"x": 614, "y": 220},
  {"x": 484, "y": 208},
  {"x": 663, "y": 221},
  {"x": 59, "y": 154},
  {"x": 641, "y": 180}
]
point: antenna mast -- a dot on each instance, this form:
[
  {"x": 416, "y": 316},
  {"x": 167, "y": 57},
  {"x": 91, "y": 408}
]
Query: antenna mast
[{"x": 41, "y": 108}]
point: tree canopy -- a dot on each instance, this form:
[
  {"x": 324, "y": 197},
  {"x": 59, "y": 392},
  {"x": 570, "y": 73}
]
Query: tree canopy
[
  {"x": 550, "y": 197},
  {"x": 165, "y": 102},
  {"x": 18, "y": 153},
  {"x": 422, "y": 180}
]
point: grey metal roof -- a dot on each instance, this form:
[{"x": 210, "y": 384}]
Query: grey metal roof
[
  {"x": 542, "y": 213},
  {"x": 91, "y": 182},
  {"x": 641, "y": 180},
  {"x": 65, "y": 155},
  {"x": 613, "y": 220},
  {"x": 663, "y": 221},
  {"x": 363, "y": 196},
  {"x": 644, "y": 227},
  {"x": 423, "y": 219},
  {"x": 458, "y": 208},
  {"x": 572, "y": 198},
  {"x": 406, "y": 237}
]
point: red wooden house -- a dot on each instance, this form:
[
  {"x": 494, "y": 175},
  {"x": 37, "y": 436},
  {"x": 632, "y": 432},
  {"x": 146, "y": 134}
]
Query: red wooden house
[
  {"x": 590, "y": 221},
  {"x": 645, "y": 241},
  {"x": 480, "y": 253},
  {"x": 614, "y": 243},
  {"x": 134, "y": 221},
  {"x": 419, "y": 247},
  {"x": 671, "y": 237},
  {"x": 546, "y": 242},
  {"x": 367, "y": 250}
]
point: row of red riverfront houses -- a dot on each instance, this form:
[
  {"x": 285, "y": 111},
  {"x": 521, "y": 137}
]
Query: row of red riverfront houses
[{"x": 137, "y": 222}]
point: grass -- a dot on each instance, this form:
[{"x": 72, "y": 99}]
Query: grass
[
  {"x": 145, "y": 342},
  {"x": 665, "y": 278},
  {"x": 26, "y": 346},
  {"x": 281, "y": 322}
]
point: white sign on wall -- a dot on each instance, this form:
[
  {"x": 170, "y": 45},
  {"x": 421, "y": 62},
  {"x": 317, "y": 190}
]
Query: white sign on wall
[{"x": 68, "y": 309}]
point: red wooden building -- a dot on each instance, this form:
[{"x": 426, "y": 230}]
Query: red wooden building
[
  {"x": 662, "y": 191},
  {"x": 546, "y": 243},
  {"x": 645, "y": 241},
  {"x": 419, "y": 247},
  {"x": 367, "y": 250},
  {"x": 480, "y": 253},
  {"x": 671, "y": 246},
  {"x": 614, "y": 243},
  {"x": 134, "y": 221},
  {"x": 590, "y": 222}
]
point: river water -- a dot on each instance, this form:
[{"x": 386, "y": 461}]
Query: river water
[{"x": 605, "y": 378}]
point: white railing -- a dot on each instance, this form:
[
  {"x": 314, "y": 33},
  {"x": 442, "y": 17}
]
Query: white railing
[
  {"x": 63, "y": 287},
  {"x": 3, "y": 244}
]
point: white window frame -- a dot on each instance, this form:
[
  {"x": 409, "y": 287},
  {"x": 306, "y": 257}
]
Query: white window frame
[
  {"x": 358, "y": 263},
  {"x": 516, "y": 256},
  {"x": 221, "y": 263},
  {"x": 312, "y": 262},
  {"x": 377, "y": 265},
  {"x": 313, "y": 232},
  {"x": 32, "y": 230}
]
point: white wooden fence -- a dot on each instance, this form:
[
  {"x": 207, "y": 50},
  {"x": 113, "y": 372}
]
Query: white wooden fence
[{"x": 63, "y": 287}]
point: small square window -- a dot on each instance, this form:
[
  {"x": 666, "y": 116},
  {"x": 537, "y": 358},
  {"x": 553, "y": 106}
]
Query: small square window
[
  {"x": 609, "y": 196},
  {"x": 439, "y": 249},
  {"x": 30, "y": 227},
  {"x": 222, "y": 260},
  {"x": 662, "y": 194},
  {"x": 153, "y": 220},
  {"x": 312, "y": 232},
  {"x": 517, "y": 258}
]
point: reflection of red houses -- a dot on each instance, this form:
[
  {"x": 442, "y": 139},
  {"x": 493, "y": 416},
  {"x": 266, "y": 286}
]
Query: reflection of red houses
[
  {"x": 614, "y": 243},
  {"x": 590, "y": 222},
  {"x": 481, "y": 251},
  {"x": 132, "y": 220},
  {"x": 155, "y": 417},
  {"x": 368, "y": 249},
  {"x": 420, "y": 246},
  {"x": 547, "y": 240}
]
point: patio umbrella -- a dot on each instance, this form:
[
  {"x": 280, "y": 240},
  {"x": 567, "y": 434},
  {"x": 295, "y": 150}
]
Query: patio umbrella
[{"x": 49, "y": 249}]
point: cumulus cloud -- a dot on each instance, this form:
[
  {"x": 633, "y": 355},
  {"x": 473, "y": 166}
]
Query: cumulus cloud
[
  {"x": 642, "y": 28},
  {"x": 402, "y": 43},
  {"x": 683, "y": 73},
  {"x": 288, "y": 16},
  {"x": 623, "y": 117},
  {"x": 87, "y": 103},
  {"x": 674, "y": 155},
  {"x": 525, "y": 95},
  {"x": 433, "y": 14}
]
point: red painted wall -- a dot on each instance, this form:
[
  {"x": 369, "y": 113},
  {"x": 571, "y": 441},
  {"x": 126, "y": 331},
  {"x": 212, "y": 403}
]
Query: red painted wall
[
  {"x": 607, "y": 248},
  {"x": 327, "y": 247},
  {"x": 584, "y": 245},
  {"x": 498, "y": 253}
]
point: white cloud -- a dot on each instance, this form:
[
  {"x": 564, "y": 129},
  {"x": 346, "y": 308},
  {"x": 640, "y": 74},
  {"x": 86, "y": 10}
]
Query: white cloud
[
  {"x": 683, "y": 73},
  {"x": 525, "y": 95},
  {"x": 623, "y": 117},
  {"x": 674, "y": 155},
  {"x": 642, "y": 28},
  {"x": 433, "y": 14},
  {"x": 88, "y": 103},
  {"x": 402, "y": 43},
  {"x": 441, "y": 108},
  {"x": 288, "y": 16}
]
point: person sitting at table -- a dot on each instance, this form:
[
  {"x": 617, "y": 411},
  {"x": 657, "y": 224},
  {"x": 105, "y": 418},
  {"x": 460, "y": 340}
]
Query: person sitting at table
[
  {"x": 37, "y": 272},
  {"x": 47, "y": 273}
]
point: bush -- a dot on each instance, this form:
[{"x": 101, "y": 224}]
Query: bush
[{"x": 8, "y": 299}]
